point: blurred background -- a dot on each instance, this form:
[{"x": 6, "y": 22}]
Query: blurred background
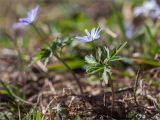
[
  {"x": 66, "y": 18},
  {"x": 134, "y": 21}
]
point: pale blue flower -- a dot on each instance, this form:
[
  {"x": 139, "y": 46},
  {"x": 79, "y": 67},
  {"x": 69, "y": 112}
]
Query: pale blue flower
[
  {"x": 94, "y": 35},
  {"x": 148, "y": 9},
  {"x": 156, "y": 13},
  {"x": 138, "y": 11},
  {"x": 128, "y": 30},
  {"x": 31, "y": 15}
]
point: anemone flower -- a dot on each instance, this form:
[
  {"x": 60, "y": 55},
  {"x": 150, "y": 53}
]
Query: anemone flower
[
  {"x": 148, "y": 9},
  {"x": 31, "y": 15},
  {"x": 94, "y": 35}
]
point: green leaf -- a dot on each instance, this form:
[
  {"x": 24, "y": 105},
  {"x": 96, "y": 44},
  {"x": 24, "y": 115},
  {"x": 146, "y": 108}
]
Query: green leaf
[
  {"x": 99, "y": 54},
  {"x": 108, "y": 52},
  {"x": 121, "y": 47},
  {"x": 3, "y": 92},
  {"x": 117, "y": 50},
  {"x": 150, "y": 41},
  {"x": 38, "y": 115},
  {"x": 116, "y": 58},
  {"x": 19, "y": 113},
  {"x": 149, "y": 34},
  {"x": 91, "y": 69},
  {"x": 90, "y": 59},
  {"x": 78, "y": 117},
  {"x": 7, "y": 89},
  {"x": 73, "y": 64},
  {"x": 113, "y": 52},
  {"x": 132, "y": 115},
  {"x": 29, "y": 115},
  {"x": 43, "y": 55},
  {"x": 59, "y": 44},
  {"x": 105, "y": 76},
  {"x": 105, "y": 54}
]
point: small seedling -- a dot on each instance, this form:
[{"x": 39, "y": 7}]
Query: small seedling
[
  {"x": 101, "y": 62},
  {"x": 53, "y": 49}
]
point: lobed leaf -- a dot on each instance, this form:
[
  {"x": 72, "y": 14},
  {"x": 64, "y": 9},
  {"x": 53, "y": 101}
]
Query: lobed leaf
[
  {"x": 90, "y": 59},
  {"x": 43, "y": 55},
  {"x": 105, "y": 76}
]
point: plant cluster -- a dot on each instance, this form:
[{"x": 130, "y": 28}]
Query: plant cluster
[
  {"x": 100, "y": 63},
  {"x": 97, "y": 52}
]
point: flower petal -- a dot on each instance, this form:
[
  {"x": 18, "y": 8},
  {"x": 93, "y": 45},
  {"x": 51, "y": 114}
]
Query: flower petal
[
  {"x": 93, "y": 31},
  {"x": 33, "y": 13},
  {"x": 82, "y": 39},
  {"x": 87, "y": 33},
  {"x": 138, "y": 11},
  {"x": 19, "y": 25},
  {"x": 96, "y": 35},
  {"x": 24, "y": 20},
  {"x": 128, "y": 30}
]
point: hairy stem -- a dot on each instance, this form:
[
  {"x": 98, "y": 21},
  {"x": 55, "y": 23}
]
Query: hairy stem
[
  {"x": 73, "y": 74},
  {"x": 94, "y": 46},
  {"x": 40, "y": 34},
  {"x": 17, "y": 47},
  {"x": 113, "y": 94}
]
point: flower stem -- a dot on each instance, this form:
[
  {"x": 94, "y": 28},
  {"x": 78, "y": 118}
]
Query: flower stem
[
  {"x": 59, "y": 58},
  {"x": 113, "y": 94},
  {"x": 38, "y": 32},
  {"x": 17, "y": 47},
  {"x": 73, "y": 74},
  {"x": 93, "y": 46}
]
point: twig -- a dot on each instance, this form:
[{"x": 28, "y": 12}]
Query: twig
[
  {"x": 51, "y": 86},
  {"x": 38, "y": 99},
  {"x": 22, "y": 100},
  {"x": 72, "y": 99},
  {"x": 135, "y": 89},
  {"x": 47, "y": 108}
]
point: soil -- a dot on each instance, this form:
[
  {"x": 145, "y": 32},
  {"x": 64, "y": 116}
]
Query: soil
[{"x": 56, "y": 94}]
